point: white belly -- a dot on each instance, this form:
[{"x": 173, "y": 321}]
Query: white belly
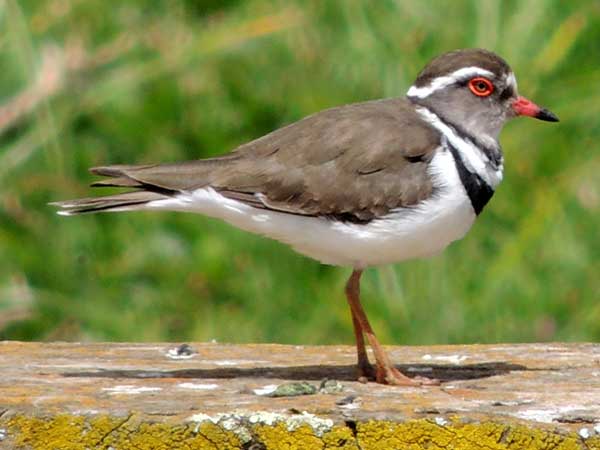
[{"x": 403, "y": 234}]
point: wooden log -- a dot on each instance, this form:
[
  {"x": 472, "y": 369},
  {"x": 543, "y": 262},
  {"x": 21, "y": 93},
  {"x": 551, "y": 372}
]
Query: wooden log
[{"x": 215, "y": 396}]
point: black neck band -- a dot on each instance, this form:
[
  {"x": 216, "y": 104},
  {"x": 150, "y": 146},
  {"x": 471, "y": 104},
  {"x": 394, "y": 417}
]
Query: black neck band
[{"x": 478, "y": 190}]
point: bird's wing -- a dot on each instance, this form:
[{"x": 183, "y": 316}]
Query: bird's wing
[{"x": 355, "y": 163}]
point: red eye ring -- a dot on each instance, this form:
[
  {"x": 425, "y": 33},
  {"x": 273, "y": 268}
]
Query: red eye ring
[{"x": 481, "y": 87}]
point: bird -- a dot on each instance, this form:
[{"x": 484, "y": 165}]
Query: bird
[{"x": 359, "y": 185}]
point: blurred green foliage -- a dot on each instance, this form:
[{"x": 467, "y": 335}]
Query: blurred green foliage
[{"x": 90, "y": 82}]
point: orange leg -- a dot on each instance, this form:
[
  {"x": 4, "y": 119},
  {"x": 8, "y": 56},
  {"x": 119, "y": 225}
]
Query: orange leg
[
  {"x": 365, "y": 369},
  {"x": 385, "y": 372}
]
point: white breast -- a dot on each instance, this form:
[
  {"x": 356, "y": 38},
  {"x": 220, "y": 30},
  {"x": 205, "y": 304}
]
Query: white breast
[{"x": 403, "y": 234}]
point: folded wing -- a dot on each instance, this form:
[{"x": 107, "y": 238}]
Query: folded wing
[{"x": 354, "y": 163}]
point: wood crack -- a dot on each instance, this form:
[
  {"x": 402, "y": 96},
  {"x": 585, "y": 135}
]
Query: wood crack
[{"x": 115, "y": 428}]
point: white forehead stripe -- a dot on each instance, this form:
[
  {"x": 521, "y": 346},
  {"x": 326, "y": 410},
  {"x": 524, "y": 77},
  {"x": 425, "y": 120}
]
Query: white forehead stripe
[{"x": 447, "y": 80}]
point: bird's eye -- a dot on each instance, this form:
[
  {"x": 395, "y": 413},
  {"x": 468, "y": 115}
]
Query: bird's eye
[{"x": 481, "y": 87}]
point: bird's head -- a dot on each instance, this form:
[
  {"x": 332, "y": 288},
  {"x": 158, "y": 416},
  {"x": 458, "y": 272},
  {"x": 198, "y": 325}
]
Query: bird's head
[{"x": 474, "y": 90}]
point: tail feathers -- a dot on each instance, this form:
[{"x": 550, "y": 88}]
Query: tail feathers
[
  {"x": 118, "y": 182},
  {"x": 151, "y": 182},
  {"x": 117, "y": 170},
  {"x": 119, "y": 202}
]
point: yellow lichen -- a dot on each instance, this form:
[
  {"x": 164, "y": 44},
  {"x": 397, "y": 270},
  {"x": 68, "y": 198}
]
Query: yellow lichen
[
  {"x": 339, "y": 438},
  {"x": 423, "y": 434},
  {"x": 215, "y": 435},
  {"x": 593, "y": 443},
  {"x": 278, "y": 437},
  {"x": 60, "y": 432},
  {"x": 66, "y": 432},
  {"x": 71, "y": 432}
]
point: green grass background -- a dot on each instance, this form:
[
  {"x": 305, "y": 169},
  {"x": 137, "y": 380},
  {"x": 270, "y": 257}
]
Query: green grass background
[{"x": 91, "y": 82}]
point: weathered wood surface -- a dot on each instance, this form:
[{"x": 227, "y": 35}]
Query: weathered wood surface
[{"x": 146, "y": 396}]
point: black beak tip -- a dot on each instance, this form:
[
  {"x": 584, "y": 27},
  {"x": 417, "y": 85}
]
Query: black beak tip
[{"x": 546, "y": 115}]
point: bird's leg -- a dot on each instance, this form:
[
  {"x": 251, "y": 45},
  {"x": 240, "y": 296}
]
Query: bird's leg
[
  {"x": 385, "y": 372},
  {"x": 365, "y": 369}
]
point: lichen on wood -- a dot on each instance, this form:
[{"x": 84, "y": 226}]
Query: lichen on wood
[{"x": 70, "y": 432}]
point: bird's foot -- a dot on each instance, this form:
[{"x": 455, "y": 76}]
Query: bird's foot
[{"x": 391, "y": 375}]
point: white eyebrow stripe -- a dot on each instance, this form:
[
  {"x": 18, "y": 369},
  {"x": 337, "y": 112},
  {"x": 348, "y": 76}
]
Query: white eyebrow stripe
[{"x": 447, "y": 80}]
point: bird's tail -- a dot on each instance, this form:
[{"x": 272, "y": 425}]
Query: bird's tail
[{"x": 127, "y": 201}]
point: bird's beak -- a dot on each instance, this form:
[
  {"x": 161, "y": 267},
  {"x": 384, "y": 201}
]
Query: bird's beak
[{"x": 525, "y": 107}]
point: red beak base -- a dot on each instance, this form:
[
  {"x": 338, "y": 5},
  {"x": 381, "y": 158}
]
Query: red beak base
[{"x": 524, "y": 107}]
